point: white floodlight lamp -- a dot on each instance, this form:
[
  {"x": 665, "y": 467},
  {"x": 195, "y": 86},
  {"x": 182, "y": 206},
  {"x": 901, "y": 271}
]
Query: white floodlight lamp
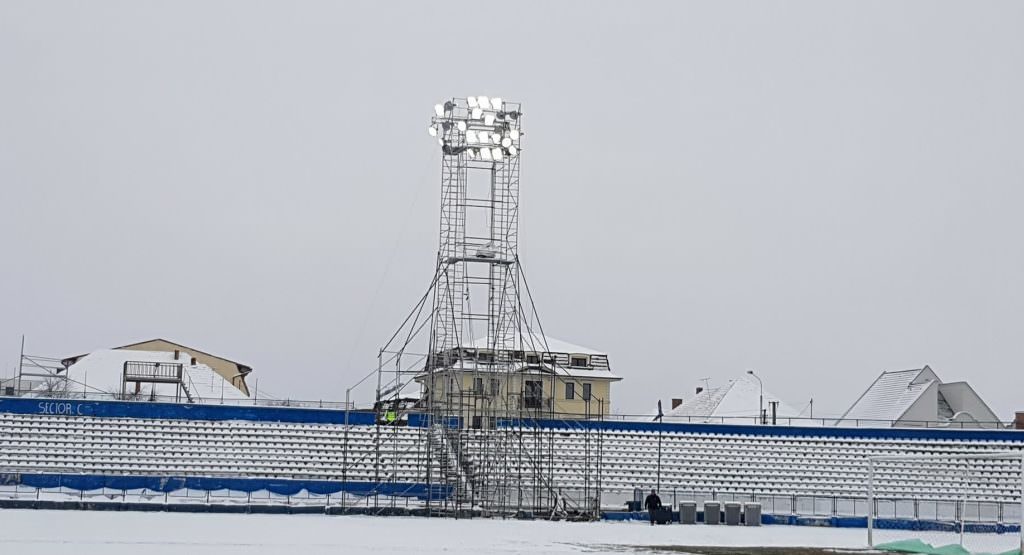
[
  {"x": 496, "y": 153},
  {"x": 485, "y": 154},
  {"x": 496, "y": 138},
  {"x": 461, "y": 125},
  {"x": 432, "y": 130},
  {"x": 496, "y": 103},
  {"x": 471, "y": 153},
  {"x": 477, "y": 113},
  {"x": 440, "y": 141},
  {"x": 439, "y": 110},
  {"x": 483, "y": 137},
  {"x": 512, "y": 151},
  {"x": 506, "y": 142},
  {"x": 488, "y": 119},
  {"x": 471, "y": 137},
  {"x": 514, "y": 134},
  {"x": 484, "y": 102},
  {"x": 471, "y": 101}
]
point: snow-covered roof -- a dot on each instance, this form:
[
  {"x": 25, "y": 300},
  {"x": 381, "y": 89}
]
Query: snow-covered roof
[
  {"x": 101, "y": 372},
  {"x": 535, "y": 342},
  {"x": 603, "y": 373},
  {"x": 738, "y": 398},
  {"x": 891, "y": 395}
]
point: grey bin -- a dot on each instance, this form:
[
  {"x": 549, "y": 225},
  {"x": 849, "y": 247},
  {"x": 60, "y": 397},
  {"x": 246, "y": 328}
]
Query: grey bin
[
  {"x": 712, "y": 512},
  {"x": 732, "y": 514},
  {"x": 687, "y": 512},
  {"x": 752, "y": 514}
]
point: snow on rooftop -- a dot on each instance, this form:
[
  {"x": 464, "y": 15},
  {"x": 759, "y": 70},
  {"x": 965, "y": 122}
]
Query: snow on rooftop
[
  {"x": 891, "y": 395},
  {"x": 559, "y": 370},
  {"x": 738, "y": 398},
  {"x": 101, "y": 371},
  {"x": 535, "y": 342}
]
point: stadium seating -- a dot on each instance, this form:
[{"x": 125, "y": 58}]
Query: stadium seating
[
  {"x": 710, "y": 460},
  {"x": 83, "y": 444}
]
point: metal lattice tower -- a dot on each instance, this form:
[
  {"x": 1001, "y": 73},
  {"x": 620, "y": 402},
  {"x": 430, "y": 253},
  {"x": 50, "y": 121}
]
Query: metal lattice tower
[
  {"x": 476, "y": 301},
  {"x": 474, "y": 440},
  {"x": 479, "y": 225}
]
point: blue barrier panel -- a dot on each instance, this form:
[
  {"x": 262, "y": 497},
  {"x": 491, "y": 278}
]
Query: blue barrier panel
[
  {"x": 771, "y": 431},
  {"x": 180, "y": 411},
  {"x": 176, "y": 411},
  {"x": 167, "y": 484}
]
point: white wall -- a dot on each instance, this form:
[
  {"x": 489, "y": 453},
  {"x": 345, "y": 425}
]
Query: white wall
[{"x": 962, "y": 397}]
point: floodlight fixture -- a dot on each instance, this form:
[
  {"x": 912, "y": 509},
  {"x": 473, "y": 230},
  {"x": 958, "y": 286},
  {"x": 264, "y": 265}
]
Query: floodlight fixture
[
  {"x": 471, "y": 137},
  {"x": 462, "y": 125},
  {"x": 471, "y": 101},
  {"x": 484, "y": 102},
  {"x": 496, "y": 138},
  {"x": 496, "y": 103},
  {"x": 439, "y": 110},
  {"x": 471, "y": 153},
  {"x": 432, "y": 130},
  {"x": 477, "y": 113},
  {"x": 488, "y": 119},
  {"x": 512, "y": 151},
  {"x": 496, "y": 153},
  {"x": 440, "y": 141},
  {"x": 514, "y": 134},
  {"x": 485, "y": 154}
]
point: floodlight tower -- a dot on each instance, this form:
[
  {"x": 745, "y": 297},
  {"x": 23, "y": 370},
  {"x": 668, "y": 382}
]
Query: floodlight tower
[
  {"x": 475, "y": 319},
  {"x": 476, "y": 297}
]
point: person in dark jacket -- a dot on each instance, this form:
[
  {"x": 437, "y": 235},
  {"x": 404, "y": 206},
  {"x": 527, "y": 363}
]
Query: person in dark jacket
[{"x": 652, "y": 504}]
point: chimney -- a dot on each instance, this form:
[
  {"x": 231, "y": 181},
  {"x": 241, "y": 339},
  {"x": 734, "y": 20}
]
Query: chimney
[
  {"x": 676, "y": 402},
  {"x": 699, "y": 390},
  {"x": 1018, "y": 422},
  {"x": 177, "y": 353}
]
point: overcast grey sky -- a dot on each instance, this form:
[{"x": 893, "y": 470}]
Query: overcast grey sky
[{"x": 816, "y": 190}]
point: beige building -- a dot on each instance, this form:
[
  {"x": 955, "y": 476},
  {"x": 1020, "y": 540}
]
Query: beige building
[
  {"x": 234, "y": 372},
  {"x": 547, "y": 379}
]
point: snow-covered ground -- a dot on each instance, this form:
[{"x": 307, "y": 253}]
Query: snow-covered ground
[{"x": 29, "y": 532}]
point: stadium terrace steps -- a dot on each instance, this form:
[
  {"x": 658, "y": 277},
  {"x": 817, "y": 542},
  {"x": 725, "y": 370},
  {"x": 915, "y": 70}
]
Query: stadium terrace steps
[{"x": 145, "y": 439}]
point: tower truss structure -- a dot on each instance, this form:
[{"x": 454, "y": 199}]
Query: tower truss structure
[{"x": 477, "y": 438}]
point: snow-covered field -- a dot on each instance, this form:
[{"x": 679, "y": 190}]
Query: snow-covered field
[{"x": 29, "y": 532}]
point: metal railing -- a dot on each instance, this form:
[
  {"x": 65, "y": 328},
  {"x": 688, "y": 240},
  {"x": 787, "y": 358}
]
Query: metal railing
[
  {"x": 803, "y": 505},
  {"x": 257, "y": 402},
  {"x": 548, "y": 414}
]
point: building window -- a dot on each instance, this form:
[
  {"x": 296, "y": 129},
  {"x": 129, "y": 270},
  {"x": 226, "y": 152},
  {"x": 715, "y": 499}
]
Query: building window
[
  {"x": 478, "y": 422},
  {"x": 586, "y": 392},
  {"x": 534, "y": 395},
  {"x": 579, "y": 362},
  {"x": 495, "y": 386},
  {"x": 570, "y": 390},
  {"x": 492, "y": 422},
  {"x": 478, "y": 386},
  {"x": 532, "y": 358}
]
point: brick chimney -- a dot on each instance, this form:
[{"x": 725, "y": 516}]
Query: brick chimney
[
  {"x": 676, "y": 402},
  {"x": 1018, "y": 422}
]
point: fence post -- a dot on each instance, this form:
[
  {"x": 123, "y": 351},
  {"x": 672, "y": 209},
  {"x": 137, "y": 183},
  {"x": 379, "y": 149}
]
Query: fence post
[{"x": 871, "y": 503}]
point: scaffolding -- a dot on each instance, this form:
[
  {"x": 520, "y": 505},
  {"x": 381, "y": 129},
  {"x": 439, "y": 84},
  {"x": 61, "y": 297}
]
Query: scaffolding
[{"x": 481, "y": 428}]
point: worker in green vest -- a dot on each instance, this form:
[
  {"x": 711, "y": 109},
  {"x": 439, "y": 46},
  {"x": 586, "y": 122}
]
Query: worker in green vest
[{"x": 390, "y": 417}]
